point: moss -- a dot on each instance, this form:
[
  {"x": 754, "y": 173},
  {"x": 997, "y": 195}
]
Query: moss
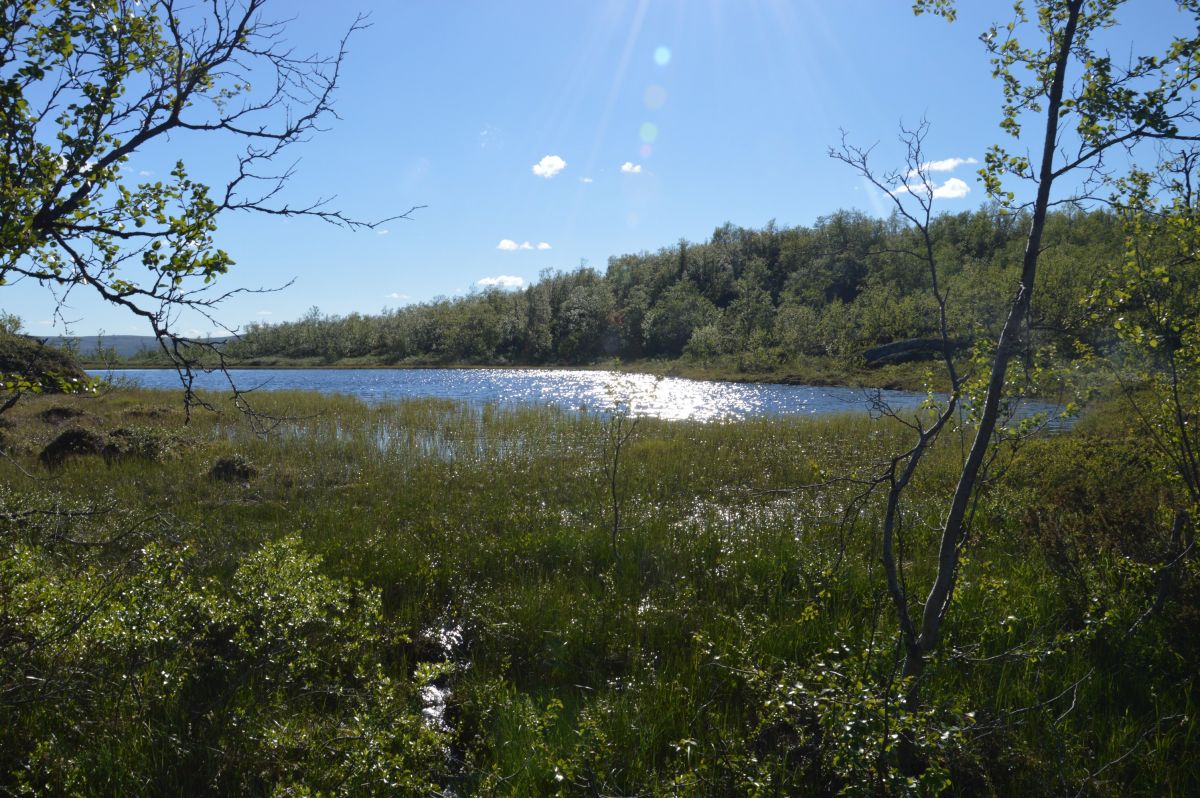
[
  {"x": 143, "y": 443},
  {"x": 59, "y": 414},
  {"x": 234, "y": 468},
  {"x": 73, "y": 442}
]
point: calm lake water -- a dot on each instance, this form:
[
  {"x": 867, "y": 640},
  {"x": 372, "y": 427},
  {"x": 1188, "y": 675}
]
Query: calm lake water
[{"x": 668, "y": 397}]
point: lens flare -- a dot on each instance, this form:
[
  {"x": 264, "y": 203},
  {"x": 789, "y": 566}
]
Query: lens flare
[
  {"x": 662, "y": 55},
  {"x": 648, "y": 132},
  {"x": 654, "y": 97},
  {"x": 646, "y": 150}
]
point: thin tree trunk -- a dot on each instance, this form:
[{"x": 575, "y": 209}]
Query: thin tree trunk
[
  {"x": 948, "y": 555},
  {"x": 1179, "y": 551}
]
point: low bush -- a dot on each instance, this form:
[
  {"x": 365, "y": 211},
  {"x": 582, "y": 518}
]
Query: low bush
[{"x": 274, "y": 685}]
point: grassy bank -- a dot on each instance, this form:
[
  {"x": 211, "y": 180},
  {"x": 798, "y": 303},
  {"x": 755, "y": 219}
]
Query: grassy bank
[{"x": 421, "y": 597}]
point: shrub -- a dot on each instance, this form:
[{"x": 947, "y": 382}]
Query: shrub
[
  {"x": 147, "y": 679},
  {"x": 53, "y": 370}
]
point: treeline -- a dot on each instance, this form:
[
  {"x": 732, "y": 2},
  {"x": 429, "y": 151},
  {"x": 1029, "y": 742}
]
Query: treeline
[{"x": 758, "y": 297}]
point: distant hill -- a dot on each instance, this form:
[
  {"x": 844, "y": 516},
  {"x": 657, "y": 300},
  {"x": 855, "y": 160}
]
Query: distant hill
[{"x": 125, "y": 345}]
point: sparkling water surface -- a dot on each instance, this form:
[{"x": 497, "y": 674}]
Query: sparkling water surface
[{"x": 640, "y": 394}]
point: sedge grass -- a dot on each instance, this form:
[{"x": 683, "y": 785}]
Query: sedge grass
[{"x": 658, "y": 668}]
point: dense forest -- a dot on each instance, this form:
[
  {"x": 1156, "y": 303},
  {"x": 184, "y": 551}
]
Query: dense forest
[{"x": 754, "y": 298}]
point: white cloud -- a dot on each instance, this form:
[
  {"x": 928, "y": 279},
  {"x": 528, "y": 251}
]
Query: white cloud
[
  {"x": 382, "y": 232},
  {"x": 944, "y": 165},
  {"x": 631, "y": 168},
  {"x": 508, "y": 245},
  {"x": 265, "y": 313},
  {"x": 952, "y": 189},
  {"x": 948, "y": 164},
  {"x": 501, "y": 281},
  {"x": 145, "y": 173},
  {"x": 396, "y": 295},
  {"x": 549, "y": 166},
  {"x": 585, "y": 180}
]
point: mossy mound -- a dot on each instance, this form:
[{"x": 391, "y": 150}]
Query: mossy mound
[
  {"x": 59, "y": 414},
  {"x": 53, "y": 369},
  {"x": 155, "y": 412},
  {"x": 73, "y": 442},
  {"x": 234, "y": 468},
  {"x": 144, "y": 443}
]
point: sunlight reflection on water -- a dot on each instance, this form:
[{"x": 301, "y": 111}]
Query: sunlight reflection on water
[{"x": 641, "y": 394}]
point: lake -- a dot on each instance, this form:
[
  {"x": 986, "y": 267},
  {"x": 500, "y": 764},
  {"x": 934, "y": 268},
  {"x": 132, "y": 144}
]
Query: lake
[{"x": 642, "y": 394}]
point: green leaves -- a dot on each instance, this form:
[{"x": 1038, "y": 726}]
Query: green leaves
[
  {"x": 85, "y": 85},
  {"x": 939, "y": 8},
  {"x": 273, "y": 684},
  {"x": 1151, "y": 301}
]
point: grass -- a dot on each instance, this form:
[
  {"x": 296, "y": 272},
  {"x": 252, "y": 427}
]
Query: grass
[{"x": 737, "y": 642}]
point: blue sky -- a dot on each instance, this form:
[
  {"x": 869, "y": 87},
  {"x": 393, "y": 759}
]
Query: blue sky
[{"x": 587, "y": 129}]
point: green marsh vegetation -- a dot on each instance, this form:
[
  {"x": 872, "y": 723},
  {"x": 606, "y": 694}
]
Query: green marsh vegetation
[
  {"x": 421, "y": 597},
  {"x": 314, "y": 596}
]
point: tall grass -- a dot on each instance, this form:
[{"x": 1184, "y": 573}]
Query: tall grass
[{"x": 738, "y": 641}]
